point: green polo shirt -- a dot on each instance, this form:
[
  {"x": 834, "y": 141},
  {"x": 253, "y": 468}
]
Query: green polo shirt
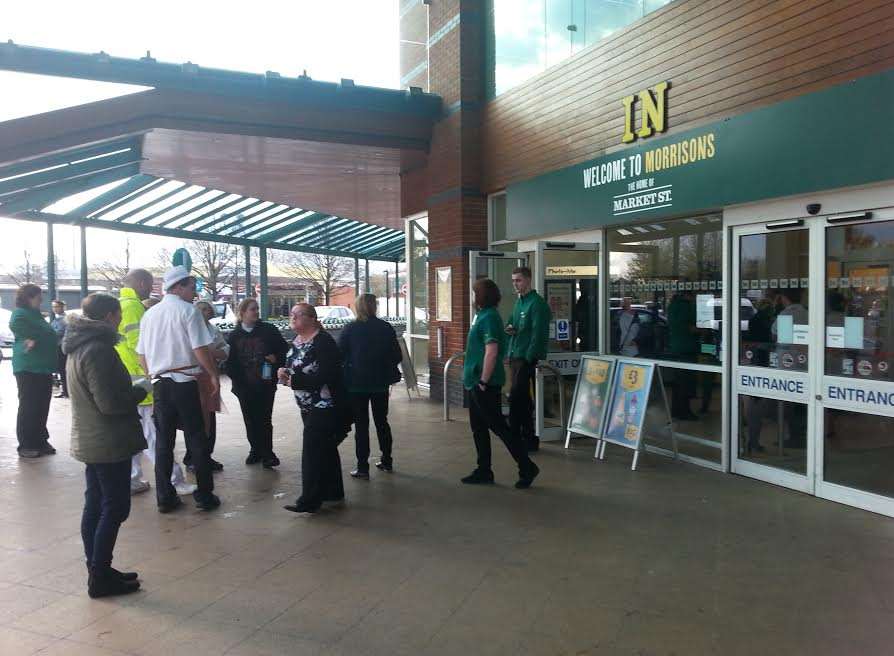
[
  {"x": 487, "y": 327},
  {"x": 530, "y": 318}
]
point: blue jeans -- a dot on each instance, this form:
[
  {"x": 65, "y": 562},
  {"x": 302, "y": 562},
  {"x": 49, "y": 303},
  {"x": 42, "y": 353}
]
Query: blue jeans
[{"x": 106, "y": 506}]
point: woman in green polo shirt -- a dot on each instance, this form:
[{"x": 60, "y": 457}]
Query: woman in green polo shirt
[
  {"x": 484, "y": 376},
  {"x": 34, "y": 360}
]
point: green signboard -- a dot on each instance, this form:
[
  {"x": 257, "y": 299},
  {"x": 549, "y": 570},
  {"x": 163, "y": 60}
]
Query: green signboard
[{"x": 837, "y": 137}]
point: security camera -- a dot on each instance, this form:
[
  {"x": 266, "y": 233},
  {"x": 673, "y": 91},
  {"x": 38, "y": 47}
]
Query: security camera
[{"x": 813, "y": 208}]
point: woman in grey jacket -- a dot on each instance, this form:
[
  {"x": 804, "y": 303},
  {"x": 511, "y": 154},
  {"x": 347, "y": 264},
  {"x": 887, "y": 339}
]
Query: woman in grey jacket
[{"x": 105, "y": 434}]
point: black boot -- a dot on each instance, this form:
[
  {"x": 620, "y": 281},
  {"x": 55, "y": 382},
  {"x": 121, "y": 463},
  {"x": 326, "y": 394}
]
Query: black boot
[
  {"x": 124, "y": 576},
  {"x": 104, "y": 583},
  {"x": 479, "y": 477}
]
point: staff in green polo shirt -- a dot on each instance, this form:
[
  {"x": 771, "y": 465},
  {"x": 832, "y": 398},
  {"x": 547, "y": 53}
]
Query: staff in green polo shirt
[
  {"x": 34, "y": 359},
  {"x": 529, "y": 328},
  {"x": 483, "y": 377}
]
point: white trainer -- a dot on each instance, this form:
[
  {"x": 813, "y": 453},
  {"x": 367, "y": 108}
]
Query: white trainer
[{"x": 138, "y": 487}]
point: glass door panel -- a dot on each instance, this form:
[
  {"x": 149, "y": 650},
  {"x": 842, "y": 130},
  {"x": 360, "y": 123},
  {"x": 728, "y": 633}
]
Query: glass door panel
[
  {"x": 772, "y": 333},
  {"x": 857, "y": 447}
]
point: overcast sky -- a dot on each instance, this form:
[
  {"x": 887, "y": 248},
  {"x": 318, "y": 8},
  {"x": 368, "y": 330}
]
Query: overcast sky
[{"x": 355, "y": 39}]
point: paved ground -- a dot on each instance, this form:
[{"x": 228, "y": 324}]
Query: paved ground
[{"x": 672, "y": 559}]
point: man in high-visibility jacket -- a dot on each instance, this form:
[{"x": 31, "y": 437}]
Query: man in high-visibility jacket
[{"x": 138, "y": 287}]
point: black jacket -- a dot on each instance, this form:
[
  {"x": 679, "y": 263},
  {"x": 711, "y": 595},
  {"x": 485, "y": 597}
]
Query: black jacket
[
  {"x": 247, "y": 353},
  {"x": 371, "y": 354}
]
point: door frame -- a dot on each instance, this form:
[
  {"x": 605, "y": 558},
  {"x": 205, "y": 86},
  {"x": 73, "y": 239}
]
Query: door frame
[
  {"x": 557, "y": 433},
  {"x": 802, "y": 482},
  {"x": 836, "y": 491}
]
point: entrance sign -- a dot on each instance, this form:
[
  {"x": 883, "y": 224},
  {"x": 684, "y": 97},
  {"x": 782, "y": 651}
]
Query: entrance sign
[
  {"x": 764, "y": 382},
  {"x": 713, "y": 165},
  {"x": 872, "y": 396},
  {"x": 590, "y": 397}
]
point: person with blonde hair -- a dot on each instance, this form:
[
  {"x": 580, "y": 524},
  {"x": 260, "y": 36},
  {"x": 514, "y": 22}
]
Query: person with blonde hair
[
  {"x": 371, "y": 354},
  {"x": 257, "y": 350}
]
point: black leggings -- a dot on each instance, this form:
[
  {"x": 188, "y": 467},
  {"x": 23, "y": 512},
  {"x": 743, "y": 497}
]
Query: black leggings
[
  {"x": 360, "y": 404},
  {"x": 320, "y": 464}
]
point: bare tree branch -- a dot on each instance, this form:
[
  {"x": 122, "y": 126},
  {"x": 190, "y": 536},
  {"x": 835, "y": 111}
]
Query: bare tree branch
[{"x": 327, "y": 271}]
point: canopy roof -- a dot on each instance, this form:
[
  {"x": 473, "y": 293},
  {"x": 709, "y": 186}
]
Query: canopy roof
[{"x": 101, "y": 185}]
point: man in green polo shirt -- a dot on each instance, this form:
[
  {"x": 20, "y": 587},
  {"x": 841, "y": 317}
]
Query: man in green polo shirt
[{"x": 529, "y": 328}]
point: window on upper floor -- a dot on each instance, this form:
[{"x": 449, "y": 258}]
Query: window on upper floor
[{"x": 525, "y": 37}]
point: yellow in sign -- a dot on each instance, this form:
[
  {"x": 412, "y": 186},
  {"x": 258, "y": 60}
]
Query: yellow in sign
[
  {"x": 633, "y": 378},
  {"x": 597, "y": 372}
]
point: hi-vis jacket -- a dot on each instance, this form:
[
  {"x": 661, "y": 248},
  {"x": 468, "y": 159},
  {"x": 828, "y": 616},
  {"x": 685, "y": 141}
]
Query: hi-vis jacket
[{"x": 132, "y": 312}]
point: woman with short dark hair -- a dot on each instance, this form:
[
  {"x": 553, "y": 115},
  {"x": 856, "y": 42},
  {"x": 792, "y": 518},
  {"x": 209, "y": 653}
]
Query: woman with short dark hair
[
  {"x": 371, "y": 354},
  {"x": 34, "y": 360},
  {"x": 484, "y": 377},
  {"x": 105, "y": 434},
  {"x": 257, "y": 350}
]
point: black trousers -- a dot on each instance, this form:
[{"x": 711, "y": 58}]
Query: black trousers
[
  {"x": 212, "y": 439},
  {"x": 360, "y": 404},
  {"x": 320, "y": 463},
  {"x": 178, "y": 404},
  {"x": 521, "y": 405},
  {"x": 61, "y": 359},
  {"x": 485, "y": 414},
  {"x": 257, "y": 413},
  {"x": 35, "y": 392},
  {"x": 106, "y": 506}
]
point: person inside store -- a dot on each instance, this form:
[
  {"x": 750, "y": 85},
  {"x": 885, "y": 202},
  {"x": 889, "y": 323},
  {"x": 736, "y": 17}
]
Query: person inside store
[
  {"x": 173, "y": 350},
  {"x": 105, "y": 435},
  {"x": 683, "y": 345},
  {"x": 211, "y": 403},
  {"x": 58, "y": 323},
  {"x": 371, "y": 354},
  {"x": 483, "y": 378},
  {"x": 758, "y": 340},
  {"x": 134, "y": 295},
  {"x": 257, "y": 351},
  {"x": 626, "y": 330},
  {"x": 34, "y": 360},
  {"x": 789, "y": 305},
  {"x": 528, "y": 328},
  {"x": 313, "y": 370}
]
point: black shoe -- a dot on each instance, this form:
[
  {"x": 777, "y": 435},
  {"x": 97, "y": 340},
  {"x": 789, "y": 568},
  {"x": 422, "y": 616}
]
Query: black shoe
[
  {"x": 479, "y": 477},
  {"x": 385, "y": 465},
  {"x": 216, "y": 466},
  {"x": 47, "y": 449},
  {"x": 29, "y": 453},
  {"x": 170, "y": 506},
  {"x": 525, "y": 480},
  {"x": 124, "y": 576},
  {"x": 301, "y": 507},
  {"x": 361, "y": 474},
  {"x": 109, "y": 585},
  {"x": 271, "y": 461},
  {"x": 253, "y": 458},
  {"x": 206, "y": 502}
]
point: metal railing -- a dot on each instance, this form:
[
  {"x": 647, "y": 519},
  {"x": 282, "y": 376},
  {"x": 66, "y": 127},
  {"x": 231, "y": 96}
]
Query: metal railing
[
  {"x": 446, "y": 390},
  {"x": 555, "y": 372},
  {"x": 541, "y": 365}
]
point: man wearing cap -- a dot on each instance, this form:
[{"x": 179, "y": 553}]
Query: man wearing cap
[
  {"x": 138, "y": 287},
  {"x": 173, "y": 349}
]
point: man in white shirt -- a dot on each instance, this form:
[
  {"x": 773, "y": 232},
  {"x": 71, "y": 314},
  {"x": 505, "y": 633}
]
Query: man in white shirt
[{"x": 173, "y": 350}]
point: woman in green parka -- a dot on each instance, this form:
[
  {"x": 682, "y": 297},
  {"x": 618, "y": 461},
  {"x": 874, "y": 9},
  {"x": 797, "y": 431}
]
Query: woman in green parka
[
  {"x": 105, "y": 434},
  {"x": 34, "y": 360}
]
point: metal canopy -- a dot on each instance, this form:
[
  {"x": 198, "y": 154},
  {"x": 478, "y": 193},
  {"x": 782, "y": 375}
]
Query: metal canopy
[{"x": 101, "y": 186}]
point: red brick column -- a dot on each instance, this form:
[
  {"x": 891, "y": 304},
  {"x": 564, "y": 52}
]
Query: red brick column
[{"x": 457, "y": 210}]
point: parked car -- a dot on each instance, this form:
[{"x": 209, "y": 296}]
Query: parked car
[
  {"x": 223, "y": 314},
  {"x": 325, "y": 312}
]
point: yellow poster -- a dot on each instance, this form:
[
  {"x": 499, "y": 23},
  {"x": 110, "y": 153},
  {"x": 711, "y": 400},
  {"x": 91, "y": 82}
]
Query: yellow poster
[
  {"x": 634, "y": 378},
  {"x": 597, "y": 371}
]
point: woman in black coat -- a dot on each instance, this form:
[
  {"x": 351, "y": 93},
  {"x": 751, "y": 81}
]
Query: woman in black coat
[
  {"x": 314, "y": 372},
  {"x": 371, "y": 354},
  {"x": 257, "y": 350}
]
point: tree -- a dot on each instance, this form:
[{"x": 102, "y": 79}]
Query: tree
[
  {"x": 29, "y": 271},
  {"x": 112, "y": 272},
  {"x": 212, "y": 261},
  {"x": 327, "y": 271}
]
